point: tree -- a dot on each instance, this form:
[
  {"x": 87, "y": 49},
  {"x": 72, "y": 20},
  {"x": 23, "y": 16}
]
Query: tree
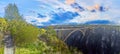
[
  {"x": 18, "y": 31},
  {"x": 3, "y": 27},
  {"x": 11, "y": 12},
  {"x": 50, "y": 31},
  {"x": 22, "y": 32},
  {"x": 56, "y": 45}
]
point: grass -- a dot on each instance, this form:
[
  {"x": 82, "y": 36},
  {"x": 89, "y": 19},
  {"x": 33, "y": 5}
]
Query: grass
[{"x": 1, "y": 50}]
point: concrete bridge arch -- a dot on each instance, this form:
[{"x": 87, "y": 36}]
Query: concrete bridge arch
[
  {"x": 95, "y": 40},
  {"x": 79, "y": 31}
]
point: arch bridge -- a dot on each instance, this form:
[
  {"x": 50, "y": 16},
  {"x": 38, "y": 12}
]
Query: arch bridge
[
  {"x": 92, "y": 40},
  {"x": 64, "y": 33}
]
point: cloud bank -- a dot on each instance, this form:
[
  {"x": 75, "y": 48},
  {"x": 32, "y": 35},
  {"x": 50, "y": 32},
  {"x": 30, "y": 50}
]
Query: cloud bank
[{"x": 52, "y": 12}]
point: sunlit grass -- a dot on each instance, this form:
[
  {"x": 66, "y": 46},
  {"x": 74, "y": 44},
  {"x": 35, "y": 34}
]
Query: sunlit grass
[{"x": 1, "y": 50}]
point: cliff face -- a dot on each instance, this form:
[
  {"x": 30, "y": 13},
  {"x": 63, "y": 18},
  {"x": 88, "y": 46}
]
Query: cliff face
[{"x": 98, "y": 40}]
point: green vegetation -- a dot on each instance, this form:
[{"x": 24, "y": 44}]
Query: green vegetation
[
  {"x": 1, "y": 50},
  {"x": 22, "y": 32},
  {"x": 29, "y": 39},
  {"x": 3, "y": 27},
  {"x": 56, "y": 45}
]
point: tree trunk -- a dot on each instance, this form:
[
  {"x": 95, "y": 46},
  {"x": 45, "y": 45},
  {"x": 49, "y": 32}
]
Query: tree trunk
[{"x": 8, "y": 42}]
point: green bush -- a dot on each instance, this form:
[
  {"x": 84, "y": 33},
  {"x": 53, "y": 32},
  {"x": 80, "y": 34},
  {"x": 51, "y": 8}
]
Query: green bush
[
  {"x": 1, "y": 50},
  {"x": 1, "y": 38},
  {"x": 3, "y": 28},
  {"x": 25, "y": 36},
  {"x": 55, "y": 44},
  {"x": 23, "y": 32},
  {"x": 35, "y": 48}
]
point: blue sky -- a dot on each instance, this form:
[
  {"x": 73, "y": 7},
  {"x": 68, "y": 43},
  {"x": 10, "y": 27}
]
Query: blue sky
[{"x": 53, "y": 12}]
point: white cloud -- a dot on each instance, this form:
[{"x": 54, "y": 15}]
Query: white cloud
[
  {"x": 56, "y": 4},
  {"x": 38, "y": 21},
  {"x": 88, "y": 16}
]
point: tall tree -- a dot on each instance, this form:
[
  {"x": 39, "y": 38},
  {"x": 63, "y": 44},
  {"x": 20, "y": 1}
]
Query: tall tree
[
  {"x": 12, "y": 13},
  {"x": 19, "y": 32}
]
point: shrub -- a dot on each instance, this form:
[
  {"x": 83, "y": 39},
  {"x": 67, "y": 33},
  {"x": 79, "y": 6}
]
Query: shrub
[
  {"x": 22, "y": 32},
  {"x": 1, "y": 50}
]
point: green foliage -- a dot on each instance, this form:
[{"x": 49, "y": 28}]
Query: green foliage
[
  {"x": 3, "y": 28},
  {"x": 55, "y": 44},
  {"x": 3, "y": 25},
  {"x": 38, "y": 47},
  {"x": 1, "y": 37},
  {"x": 1, "y": 50},
  {"x": 11, "y": 12},
  {"x": 25, "y": 35},
  {"x": 22, "y": 32},
  {"x": 42, "y": 31},
  {"x": 50, "y": 31}
]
